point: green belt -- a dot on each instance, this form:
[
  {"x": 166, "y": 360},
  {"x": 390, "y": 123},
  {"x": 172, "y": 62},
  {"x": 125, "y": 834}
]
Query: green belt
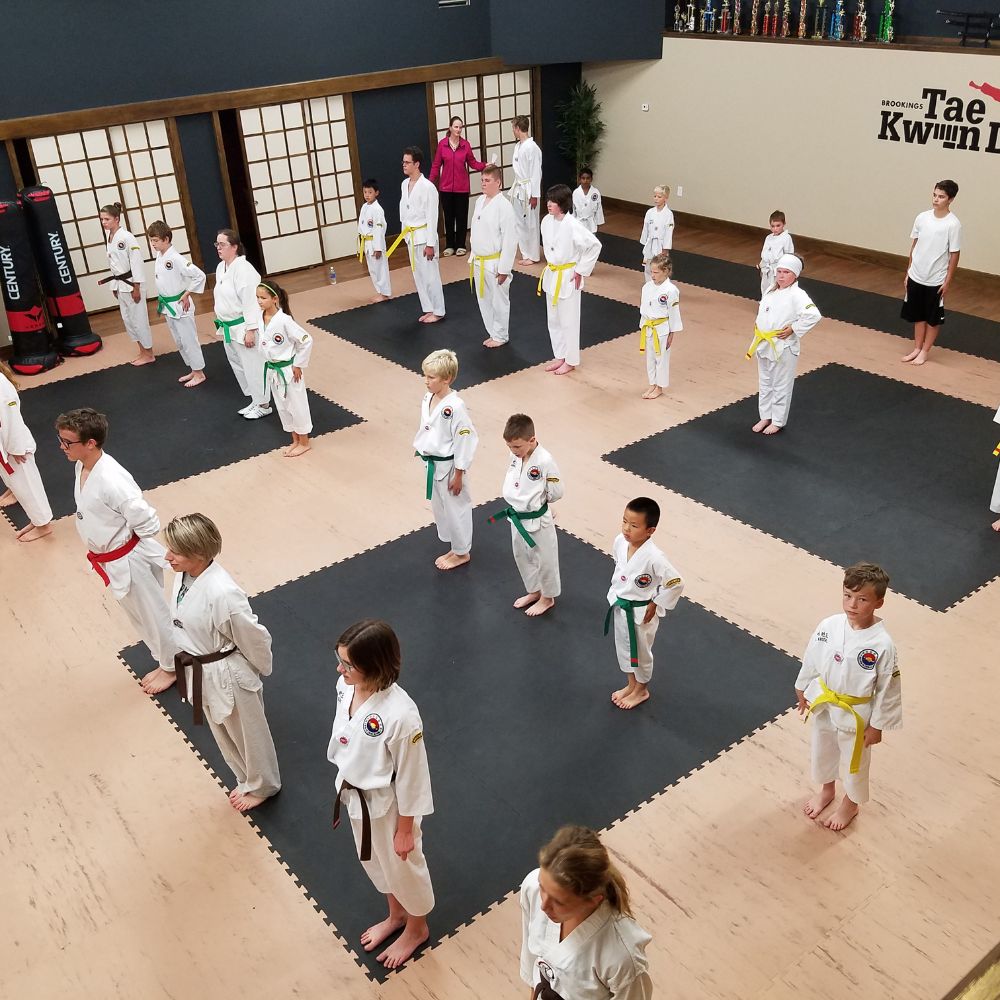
[
  {"x": 277, "y": 366},
  {"x": 164, "y": 302},
  {"x": 626, "y": 605},
  {"x": 430, "y": 460},
  {"x": 225, "y": 325},
  {"x": 517, "y": 516}
]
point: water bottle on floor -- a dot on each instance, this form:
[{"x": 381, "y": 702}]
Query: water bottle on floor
[{"x": 333, "y": 275}]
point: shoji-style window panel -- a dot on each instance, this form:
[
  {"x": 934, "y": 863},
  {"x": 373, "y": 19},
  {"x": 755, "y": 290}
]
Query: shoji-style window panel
[{"x": 504, "y": 96}]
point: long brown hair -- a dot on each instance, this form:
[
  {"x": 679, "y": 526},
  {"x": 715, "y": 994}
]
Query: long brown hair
[{"x": 577, "y": 860}]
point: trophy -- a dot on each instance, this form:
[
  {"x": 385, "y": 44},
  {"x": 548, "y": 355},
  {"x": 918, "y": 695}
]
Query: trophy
[
  {"x": 786, "y": 19},
  {"x": 803, "y": 18},
  {"x": 860, "y": 31},
  {"x": 678, "y": 23},
  {"x": 701, "y": 20},
  {"x": 885, "y": 26},
  {"x": 725, "y": 25},
  {"x": 819, "y": 21},
  {"x": 837, "y": 22},
  {"x": 708, "y": 18},
  {"x": 766, "y": 27},
  {"x": 736, "y": 17},
  {"x": 690, "y": 17},
  {"x": 754, "y": 17}
]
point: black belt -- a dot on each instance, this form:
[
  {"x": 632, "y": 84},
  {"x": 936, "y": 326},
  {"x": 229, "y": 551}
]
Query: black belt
[
  {"x": 366, "y": 819},
  {"x": 127, "y": 276},
  {"x": 195, "y": 661}
]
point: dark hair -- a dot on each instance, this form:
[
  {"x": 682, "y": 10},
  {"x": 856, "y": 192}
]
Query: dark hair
[
  {"x": 522, "y": 122},
  {"x": 270, "y": 285},
  {"x": 950, "y": 188},
  {"x": 777, "y": 216},
  {"x": 233, "y": 239},
  {"x": 586, "y": 171},
  {"x": 415, "y": 153},
  {"x": 115, "y": 209},
  {"x": 374, "y": 651},
  {"x": 456, "y": 118},
  {"x": 493, "y": 170},
  {"x": 856, "y": 576},
  {"x": 159, "y": 230},
  {"x": 562, "y": 196},
  {"x": 370, "y": 183},
  {"x": 649, "y": 509},
  {"x": 87, "y": 424},
  {"x": 576, "y": 859},
  {"x": 663, "y": 259},
  {"x": 519, "y": 427}
]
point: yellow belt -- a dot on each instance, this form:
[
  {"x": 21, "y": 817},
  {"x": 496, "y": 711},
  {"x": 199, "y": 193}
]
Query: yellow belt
[
  {"x": 758, "y": 335},
  {"x": 476, "y": 259},
  {"x": 556, "y": 269},
  {"x": 996, "y": 450},
  {"x": 363, "y": 238},
  {"x": 649, "y": 327},
  {"x": 845, "y": 702},
  {"x": 402, "y": 236}
]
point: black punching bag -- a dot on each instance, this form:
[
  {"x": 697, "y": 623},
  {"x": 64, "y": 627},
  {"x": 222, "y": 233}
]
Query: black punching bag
[
  {"x": 33, "y": 352},
  {"x": 55, "y": 269}
]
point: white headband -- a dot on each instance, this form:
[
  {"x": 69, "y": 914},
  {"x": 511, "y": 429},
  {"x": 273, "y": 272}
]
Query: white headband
[{"x": 789, "y": 262}]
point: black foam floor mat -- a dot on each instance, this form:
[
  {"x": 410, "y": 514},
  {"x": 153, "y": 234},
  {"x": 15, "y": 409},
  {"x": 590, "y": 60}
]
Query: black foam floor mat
[
  {"x": 390, "y": 330},
  {"x": 868, "y": 468},
  {"x": 521, "y": 734}
]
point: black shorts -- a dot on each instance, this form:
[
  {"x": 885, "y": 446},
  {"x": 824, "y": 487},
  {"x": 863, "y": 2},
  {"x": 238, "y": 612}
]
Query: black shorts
[{"x": 922, "y": 304}]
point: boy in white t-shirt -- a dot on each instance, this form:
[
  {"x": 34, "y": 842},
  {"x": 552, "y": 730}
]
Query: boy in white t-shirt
[{"x": 937, "y": 241}]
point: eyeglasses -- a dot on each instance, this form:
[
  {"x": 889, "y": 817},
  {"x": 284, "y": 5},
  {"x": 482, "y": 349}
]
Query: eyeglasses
[
  {"x": 222, "y": 246},
  {"x": 343, "y": 663},
  {"x": 63, "y": 443}
]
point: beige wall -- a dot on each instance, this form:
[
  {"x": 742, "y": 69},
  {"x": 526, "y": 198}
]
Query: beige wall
[{"x": 747, "y": 128}]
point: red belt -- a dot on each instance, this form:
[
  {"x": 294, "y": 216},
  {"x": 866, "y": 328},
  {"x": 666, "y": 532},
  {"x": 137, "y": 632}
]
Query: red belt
[
  {"x": 6, "y": 468},
  {"x": 96, "y": 558}
]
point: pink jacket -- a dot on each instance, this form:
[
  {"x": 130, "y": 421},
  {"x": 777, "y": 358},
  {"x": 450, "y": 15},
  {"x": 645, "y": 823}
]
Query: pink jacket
[{"x": 452, "y": 166}]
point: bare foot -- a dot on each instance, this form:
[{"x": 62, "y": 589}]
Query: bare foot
[
  {"x": 403, "y": 947},
  {"x": 554, "y": 364},
  {"x": 540, "y": 607},
  {"x": 377, "y": 933},
  {"x": 772, "y": 429},
  {"x": 234, "y": 794},
  {"x": 432, "y": 318},
  {"x": 8, "y": 499},
  {"x": 920, "y": 359},
  {"x": 841, "y": 819},
  {"x": 653, "y": 393},
  {"x": 564, "y": 369},
  {"x": 452, "y": 560},
  {"x": 616, "y": 696},
  {"x": 32, "y": 534},
  {"x": 194, "y": 380},
  {"x": 996, "y": 525},
  {"x": 759, "y": 426},
  {"x": 636, "y": 697},
  {"x": 526, "y": 261},
  {"x": 158, "y": 680},
  {"x": 645, "y": 395},
  {"x": 819, "y": 802},
  {"x": 142, "y": 360},
  {"x": 298, "y": 449},
  {"x": 523, "y": 602},
  {"x": 381, "y": 298},
  {"x": 490, "y": 342},
  {"x": 911, "y": 355},
  {"x": 186, "y": 378},
  {"x": 243, "y": 802}
]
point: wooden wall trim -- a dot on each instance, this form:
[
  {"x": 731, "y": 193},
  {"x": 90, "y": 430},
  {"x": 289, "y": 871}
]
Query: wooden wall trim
[
  {"x": 901, "y": 43},
  {"x": 227, "y": 186},
  {"x": 121, "y": 114}
]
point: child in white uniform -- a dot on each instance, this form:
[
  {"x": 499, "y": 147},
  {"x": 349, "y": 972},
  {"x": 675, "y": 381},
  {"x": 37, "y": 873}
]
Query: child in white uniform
[
  {"x": 371, "y": 240},
  {"x": 579, "y": 940},
  {"x": 119, "y": 529},
  {"x": 571, "y": 251},
  {"x": 18, "y": 470},
  {"x": 128, "y": 272},
  {"x": 383, "y": 779},
  {"x": 494, "y": 244},
  {"x": 446, "y": 440},
  {"x": 418, "y": 215},
  {"x": 526, "y": 190},
  {"x": 659, "y": 320},
  {"x": 644, "y": 587},
  {"x": 176, "y": 280},
  {"x": 785, "y": 315},
  {"x": 531, "y": 483},
  {"x": 237, "y": 321},
  {"x": 286, "y": 348},
  {"x": 995, "y": 500},
  {"x": 224, "y": 652},
  {"x": 657, "y": 228},
  {"x": 587, "y": 205},
  {"x": 849, "y": 683},
  {"x": 777, "y": 243}
]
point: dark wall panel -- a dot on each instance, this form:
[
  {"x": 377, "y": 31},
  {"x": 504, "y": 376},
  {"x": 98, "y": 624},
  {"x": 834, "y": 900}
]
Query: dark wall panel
[
  {"x": 557, "y": 81},
  {"x": 208, "y": 198},
  {"x": 386, "y": 121},
  {"x": 8, "y": 189}
]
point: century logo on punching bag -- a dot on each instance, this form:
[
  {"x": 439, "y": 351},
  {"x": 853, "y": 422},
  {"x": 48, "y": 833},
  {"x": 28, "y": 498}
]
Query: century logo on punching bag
[{"x": 9, "y": 274}]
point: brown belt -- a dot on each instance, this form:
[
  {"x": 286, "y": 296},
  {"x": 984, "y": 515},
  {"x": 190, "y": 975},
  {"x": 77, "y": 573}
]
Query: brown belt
[
  {"x": 545, "y": 992},
  {"x": 182, "y": 660},
  {"x": 366, "y": 819}
]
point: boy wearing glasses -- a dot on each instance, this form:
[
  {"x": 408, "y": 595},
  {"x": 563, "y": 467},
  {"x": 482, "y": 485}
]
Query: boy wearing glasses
[{"x": 119, "y": 529}]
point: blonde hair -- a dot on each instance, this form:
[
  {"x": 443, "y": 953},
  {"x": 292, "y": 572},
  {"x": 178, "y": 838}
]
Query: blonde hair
[
  {"x": 664, "y": 189},
  {"x": 663, "y": 262},
  {"x": 194, "y": 536},
  {"x": 9, "y": 375},
  {"x": 577, "y": 861},
  {"x": 441, "y": 364}
]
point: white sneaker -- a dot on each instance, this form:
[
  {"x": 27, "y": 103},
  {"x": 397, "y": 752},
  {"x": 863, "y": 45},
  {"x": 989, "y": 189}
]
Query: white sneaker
[
  {"x": 256, "y": 412},
  {"x": 447, "y": 253},
  {"x": 246, "y": 409}
]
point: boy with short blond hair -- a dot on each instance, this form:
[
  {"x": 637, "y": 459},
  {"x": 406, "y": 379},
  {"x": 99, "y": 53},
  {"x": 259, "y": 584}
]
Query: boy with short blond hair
[
  {"x": 849, "y": 683},
  {"x": 531, "y": 483},
  {"x": 446, "y": 440}
]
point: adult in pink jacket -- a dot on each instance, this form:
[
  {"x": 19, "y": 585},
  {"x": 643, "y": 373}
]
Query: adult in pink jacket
[{"x": 450, "y": 172}]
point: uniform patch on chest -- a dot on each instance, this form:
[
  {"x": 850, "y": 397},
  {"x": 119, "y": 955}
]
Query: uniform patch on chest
[
  {"x": 169, "y": 265},
  {"x": 534, "y": 473},
  {"x": 278, "y": 339},
  {"x": 373, "y": 725},
  {"x": 663, "y": 300},
  {"x": 643, "y": 580},
  {"x": 447, "y": 413},
  {"x": 867, "y": 659}
]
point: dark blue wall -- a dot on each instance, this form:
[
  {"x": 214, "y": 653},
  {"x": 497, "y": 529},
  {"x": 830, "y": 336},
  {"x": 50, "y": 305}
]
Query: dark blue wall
[
  {"x": 557, "y": 81},
  {"x": 8, "y": 189},
  {"x": 204, "y": 177}
]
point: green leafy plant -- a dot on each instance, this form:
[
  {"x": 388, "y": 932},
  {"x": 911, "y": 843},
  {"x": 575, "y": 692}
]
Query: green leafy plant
[{"x": 580, "y": 125}]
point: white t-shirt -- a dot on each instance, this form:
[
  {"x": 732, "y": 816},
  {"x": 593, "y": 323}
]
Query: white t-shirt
[{"x": 936, "y": 239}]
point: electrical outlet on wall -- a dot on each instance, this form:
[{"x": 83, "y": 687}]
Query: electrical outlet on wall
[
  {"x": 680, "y": 191},
  {"x": 645, "y": 107}
]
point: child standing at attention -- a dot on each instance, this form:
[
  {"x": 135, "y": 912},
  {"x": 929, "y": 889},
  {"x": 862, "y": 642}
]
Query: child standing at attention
[
  {"x": 657, "y": 228},
  {"x": 371, "y": 240},
  {"x": 785, "y": 315},
  {"x": 644, "y": 588},
  {"x": 849, "y": 683},
  {"x": 659, "y": 320},
  {"x": 285, "y": 345},
  {"x": 127, "y": 279},
  {"x": 776, "y": 244},
  {"x": 532, "y": 482},
  {"x": 446, "y": 440},
  {"x": 934, "y": 252},
  {"x": 587, "y": 201},
  {"x": 176, "y": 279}
]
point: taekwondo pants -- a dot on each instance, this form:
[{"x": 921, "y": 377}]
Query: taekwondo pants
[
  {"x": 538, "y": 566},
  {"x": 453, "y": 514},
  {"x": 292, "y": 403},
  {"x": 529, "y": 236},
  {"x": 995, "y": 502},
  {"x": 248, "y": 367},
  {"x": 378, "y": 271},
  {"x": 244, "y": 739},
  {"x": 777, "y": 380},
  {"x": 136, "y": 318},
  {"x": 494, "y": 303},
  {"x": 26, "y": 485},
  {"x": 644, "y": 636},
  {"x": 427, "y": 278},
  {"x": 147, "y": 609},
  {"x": 185, "y": 335},
  {"x": 564, "y": 326},
  {"x": 831, "y": 755},
  {"x": 658, "y": 365},
  {"x": 767, "y": 275}
]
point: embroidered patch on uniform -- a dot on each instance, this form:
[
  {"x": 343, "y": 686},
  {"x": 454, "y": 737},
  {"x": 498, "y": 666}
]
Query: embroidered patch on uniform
[
  {"x": 534, "y": 473},
  {"x": 278, "y": 339},
  {"x": 822, "y": 636},
  {"x": 305, "y": 337},
  {"x": 13, "y": 402},
  {"x": 672, "y": 583},
  {"x": 643, "y": 580},
  {"x": 343, "y": 740},
  {"x": 169, "y": 266},
  {"x": 373, "y": 725},
  {"x": 447, "y": 412},
  {"x": 623, "y": 579},
  {"x": 552, "y": 479},
  {"x": 79, "y": 515},
  {"x": 895, "y": 673},
  {"x": 837, "y": 658},
  {"x": 593, "y": 197},
  {"x": 121, "y": 245},
  {"x": 464, "y": 430},
  {"x": 867, "y": 659},
  {"x": 416, "y": 738},
  {"x": 663, "y": 300},
  {"x": 178, "y": 623},
  {"x": 371, "y": 223},
  {"x": 340, "y": 697}
]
